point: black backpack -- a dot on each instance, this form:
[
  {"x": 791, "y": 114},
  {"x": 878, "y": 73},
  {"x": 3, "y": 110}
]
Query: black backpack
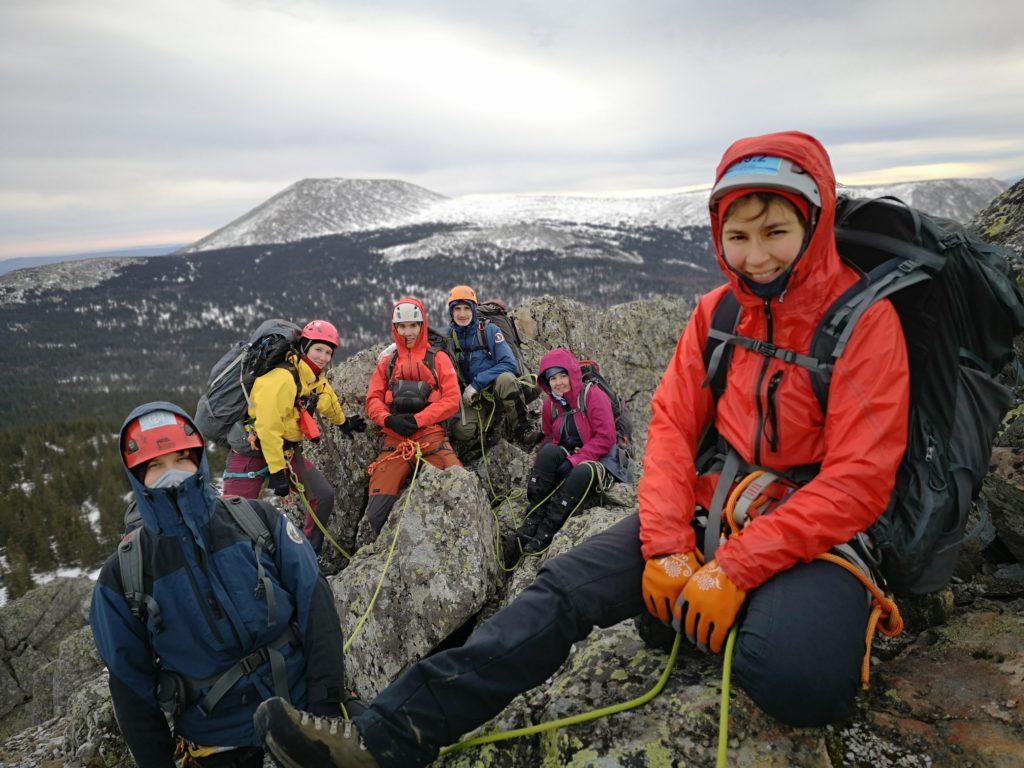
[
  {"x": 960, "y": 310},
  {"x": 226, "y": 399}
]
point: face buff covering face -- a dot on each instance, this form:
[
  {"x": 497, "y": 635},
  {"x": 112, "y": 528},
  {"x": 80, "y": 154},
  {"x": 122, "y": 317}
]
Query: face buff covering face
[{"x": 172, "y": 478}]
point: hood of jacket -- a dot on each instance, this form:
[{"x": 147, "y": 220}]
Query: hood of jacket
[
  {"x": 421, "y": 341},
  {"x": 192, "y": 501},
  {"x": 465, "y": 333},
  {"x": 815, "y": 274},
  {"x": 561, "y": 358}
]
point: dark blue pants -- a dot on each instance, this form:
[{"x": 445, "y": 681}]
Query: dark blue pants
[{"x": 797, "y": 655}]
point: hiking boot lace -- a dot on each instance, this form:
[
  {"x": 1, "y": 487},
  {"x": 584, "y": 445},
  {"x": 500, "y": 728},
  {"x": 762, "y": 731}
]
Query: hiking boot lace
[{"x": 331, "y": 723}]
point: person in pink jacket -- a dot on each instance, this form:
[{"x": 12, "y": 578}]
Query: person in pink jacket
[{"x": 578, "y": 456}]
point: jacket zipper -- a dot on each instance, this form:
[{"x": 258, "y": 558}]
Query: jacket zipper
[
  {"x": 772, "y": 431},
  {"x": 760, "y": 383}
]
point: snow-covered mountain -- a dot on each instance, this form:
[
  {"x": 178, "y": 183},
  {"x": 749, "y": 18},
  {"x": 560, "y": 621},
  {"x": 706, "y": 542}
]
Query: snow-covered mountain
[
  {"x": 319, "y": 207},
  {"x": 316, "y": 207}
]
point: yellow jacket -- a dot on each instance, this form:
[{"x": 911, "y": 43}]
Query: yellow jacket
[{"x": 274, "y": 411}]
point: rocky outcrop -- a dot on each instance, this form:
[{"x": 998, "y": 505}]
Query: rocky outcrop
[
  {"x": 945, "y": 693},
  {"x": 1001, "y": 221}
]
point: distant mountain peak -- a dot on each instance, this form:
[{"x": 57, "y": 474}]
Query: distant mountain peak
[{"x": 317, "y": 207}]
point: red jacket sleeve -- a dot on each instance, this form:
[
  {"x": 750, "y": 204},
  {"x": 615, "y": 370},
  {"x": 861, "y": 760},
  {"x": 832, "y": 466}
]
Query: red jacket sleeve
[
  {"x": 681, "y": 410},
  {"x": 865, "y": 438}
]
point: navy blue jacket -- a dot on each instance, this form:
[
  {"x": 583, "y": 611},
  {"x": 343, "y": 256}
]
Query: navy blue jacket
[
  {"x": 204, "y": 574},
  {"x": 480, "y": 364}
]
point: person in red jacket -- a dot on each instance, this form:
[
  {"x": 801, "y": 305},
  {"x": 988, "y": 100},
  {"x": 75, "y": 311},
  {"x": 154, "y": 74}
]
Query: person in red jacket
[
  {"x": 802, "y": 620},
  {"x": 413, "y": 390}
]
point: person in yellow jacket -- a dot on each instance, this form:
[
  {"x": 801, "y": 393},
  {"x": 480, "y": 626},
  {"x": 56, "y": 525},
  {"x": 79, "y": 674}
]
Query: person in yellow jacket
[{"x": 280, "y": 419}]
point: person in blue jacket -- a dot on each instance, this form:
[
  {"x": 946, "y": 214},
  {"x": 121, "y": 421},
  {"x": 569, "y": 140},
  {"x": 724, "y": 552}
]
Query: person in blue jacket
[
  {"x": 484, "y": 360},
  {"x": 227, "y": 631}
]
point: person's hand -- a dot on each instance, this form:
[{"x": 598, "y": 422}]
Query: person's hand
[
  {"x": 664, "y": 579},
  {"x": 402, "y": 423},
  {"x": 352, "y": 424},
  {"x": 279, "y": 483},
  {"x": 708, "y": 606},
  {"x": 468, "y": 394}
]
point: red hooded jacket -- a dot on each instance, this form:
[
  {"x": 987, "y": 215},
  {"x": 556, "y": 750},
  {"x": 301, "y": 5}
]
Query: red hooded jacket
[
  {"x": 410, "y": 365},
  {"x": 858, "y": 443}
]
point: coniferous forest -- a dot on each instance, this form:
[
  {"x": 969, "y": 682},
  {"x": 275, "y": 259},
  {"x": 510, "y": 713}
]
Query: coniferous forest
[{"x": 63, "y": 493}]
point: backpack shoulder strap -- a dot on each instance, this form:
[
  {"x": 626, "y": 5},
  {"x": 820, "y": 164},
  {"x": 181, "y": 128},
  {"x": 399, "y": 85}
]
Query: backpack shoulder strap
[
  {"x": 428, "y": 360},
  {"x": 724, "y": 321},
  {"x": 389, "y": 371},
  {"x": 129, "y": 555},
  {"x": 255, "y": 527},
  {"x": 834, "y": 331}
]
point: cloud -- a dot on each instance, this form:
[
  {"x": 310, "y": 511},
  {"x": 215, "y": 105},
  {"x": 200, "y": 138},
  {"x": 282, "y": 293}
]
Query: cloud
[{"x": 136, "y": 113}]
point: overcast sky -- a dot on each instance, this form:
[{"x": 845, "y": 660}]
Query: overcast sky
[{"x": 134, "y": 122}]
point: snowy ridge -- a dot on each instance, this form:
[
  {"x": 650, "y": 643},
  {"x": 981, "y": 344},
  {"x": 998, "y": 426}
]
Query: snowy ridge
[
  {"x": 317, "y": 207},
  {"x": 956, "y": 199}
]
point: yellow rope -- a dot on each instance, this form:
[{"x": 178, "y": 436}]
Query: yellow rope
[
  {"x": 391, "y": 550},
  {"x": 573, "y": 719}
]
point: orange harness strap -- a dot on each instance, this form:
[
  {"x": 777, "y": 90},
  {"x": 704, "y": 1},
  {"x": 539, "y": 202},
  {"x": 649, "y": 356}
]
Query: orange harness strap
[{"x": 885, "y": 614}]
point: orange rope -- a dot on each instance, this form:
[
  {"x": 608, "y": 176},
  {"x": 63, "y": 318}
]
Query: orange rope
[
  {"x": 405, "y": 450},
  {"x": 885, "y": 614}
]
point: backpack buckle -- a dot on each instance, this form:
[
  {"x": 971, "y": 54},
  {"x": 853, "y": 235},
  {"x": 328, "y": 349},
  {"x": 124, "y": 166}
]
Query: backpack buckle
[
  {"x": 765, "y": 348},
  {"x": 253, "y": 661}
]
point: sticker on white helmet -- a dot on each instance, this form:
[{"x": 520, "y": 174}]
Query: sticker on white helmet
[{"x": 761, "y": 164}]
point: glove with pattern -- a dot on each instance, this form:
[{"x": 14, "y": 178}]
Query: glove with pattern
[
  {"x": 708, "y": 606},
  {"x": 664, "y": 579}
]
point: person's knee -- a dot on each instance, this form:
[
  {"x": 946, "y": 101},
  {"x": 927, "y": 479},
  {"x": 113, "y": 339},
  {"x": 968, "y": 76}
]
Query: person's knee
[
  {"x": 505, "y": 386},
  {"x": 799, "y": 695}
]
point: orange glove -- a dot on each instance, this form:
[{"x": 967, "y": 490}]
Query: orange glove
[
  {"x": 664, "y": 579},
  {"x": 708, "y": 606}
]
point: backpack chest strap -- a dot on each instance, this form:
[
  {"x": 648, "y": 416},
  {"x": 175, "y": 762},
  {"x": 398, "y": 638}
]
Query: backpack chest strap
[
  {"x": 222, "y": 683},
  {"x": 765, "y": 348}
]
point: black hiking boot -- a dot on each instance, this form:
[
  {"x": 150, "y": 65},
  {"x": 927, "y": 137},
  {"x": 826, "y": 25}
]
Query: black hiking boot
[
  {"x": 561, "y": 507},
  {"x": 528, "y": 529},
  {"x": 297, "y": 739},
  {"x": 527, "y": 436}
]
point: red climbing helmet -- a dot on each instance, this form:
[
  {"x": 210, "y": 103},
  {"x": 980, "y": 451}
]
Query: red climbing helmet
[
  {"x": 320, "y": 331},
  {"x": 156, "y": 433}
]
